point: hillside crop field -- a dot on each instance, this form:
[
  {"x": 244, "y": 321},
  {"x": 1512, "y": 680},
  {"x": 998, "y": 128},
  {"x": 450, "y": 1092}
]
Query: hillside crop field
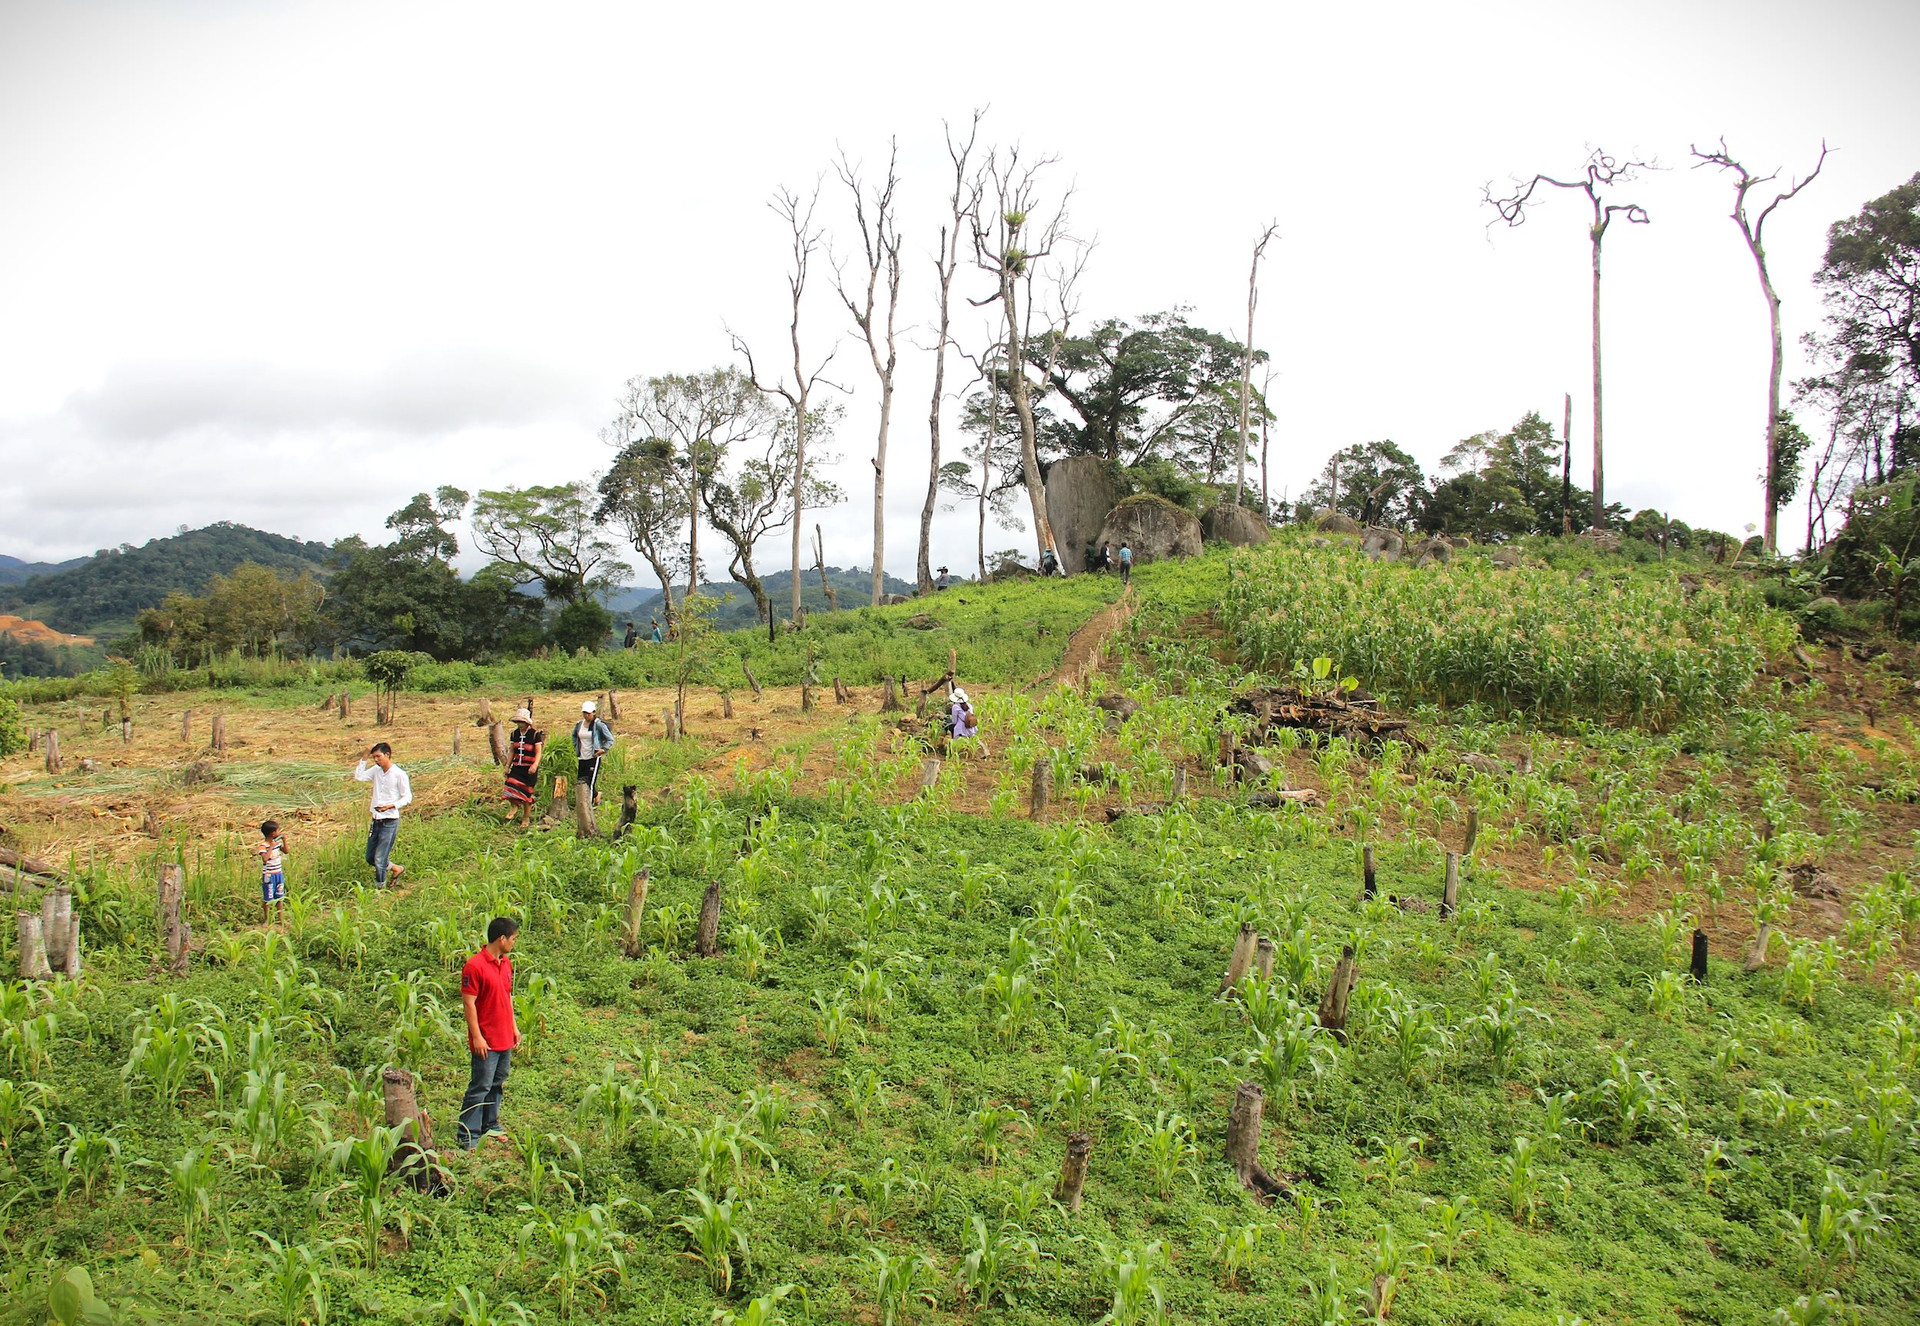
[{"x": 857, "y": 1108}]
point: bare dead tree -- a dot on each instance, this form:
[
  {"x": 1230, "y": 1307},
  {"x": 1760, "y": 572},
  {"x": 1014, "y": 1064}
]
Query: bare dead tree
[
  {"x": 880, "y": 242},
  {"x": 1753, "y": 231},
  {"x": 1566, "y": 463},
  {"x": 1246, "y": 370},
  {"x": 806, "y": 241},
  {"x": 963, "y": 202},
  {"x": 1266, "y": 418},
  {"x": 1601, "y": 172},
  {"x": 1001, "y": 250}
]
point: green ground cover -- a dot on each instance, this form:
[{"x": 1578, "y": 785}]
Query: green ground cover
[{"x": 1537, "y": 1119}]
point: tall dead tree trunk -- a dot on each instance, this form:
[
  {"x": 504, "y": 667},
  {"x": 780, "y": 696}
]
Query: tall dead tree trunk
[
  {"x": 1246, "y": 369},
  {"x": 1753, "y": 231},
  {"x": 1566, "y": 464},
  {"x": 1601, "y": 172},
  {"x": 820, "y": 565},
  {"x": 946, "y": 261},
  {"x": 880, "y": 240},
  {"x": 1243, "y": 1143}
]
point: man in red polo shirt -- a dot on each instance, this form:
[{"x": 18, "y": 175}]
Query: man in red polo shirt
[{"x": 486, "y": 993}]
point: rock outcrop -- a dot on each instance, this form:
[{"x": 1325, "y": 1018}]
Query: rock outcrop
[
  {"x": 1080, "y": 492},
  {"x": 1236, "y": 525},
  {"x": 1336, "y": 522},
  {"x": 1155, "y": 528},
  {"x": 1382, "y": 544}
]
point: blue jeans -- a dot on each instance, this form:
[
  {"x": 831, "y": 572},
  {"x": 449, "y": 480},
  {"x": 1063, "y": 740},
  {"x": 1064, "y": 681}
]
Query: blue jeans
[
  {"x": 480, "y": 1107},
  {"x": 380, "y": 836}
]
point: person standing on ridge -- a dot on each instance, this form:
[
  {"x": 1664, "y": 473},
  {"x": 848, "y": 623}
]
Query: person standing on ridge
[
  {"x": 486, "y": 996},
  {"x": 1126, "y": 564},
  {"x": 392, "y": 790},
  {"x": 592, "y": 738},
  {"x": 633, "y": 636}
]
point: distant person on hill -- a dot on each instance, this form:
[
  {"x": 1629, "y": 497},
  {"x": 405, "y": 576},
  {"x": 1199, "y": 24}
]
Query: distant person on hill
[
  {"x": 271, "y": 850},
  {"x": 633, "y": 636},
  {"x": 486, "y": 996},
  {"x": 960, "y": 719},
  {"x": 1103, "y": 560},
  {"x": 941, "y": 583},
  {"x": 656, "y": 637},
  {"x": 592, "y": 738},
  {"x": 1049, "y": 563},
  {"x": 392, "y": 790},
  {"x": 1126, "y": 564},
  {"x": 524, "y": 749}
]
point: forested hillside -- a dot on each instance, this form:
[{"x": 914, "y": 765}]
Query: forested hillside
[{"x": 101, "y": 594}]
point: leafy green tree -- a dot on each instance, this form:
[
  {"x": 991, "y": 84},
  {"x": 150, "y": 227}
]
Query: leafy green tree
[
  {"x": 748, "y": 494},
  {"x": 1376, "y": 483},
  {"x": 13, "y": 729},
  {"x": 641, "y": 494},
  {"x": 582, "y": 625},
  {"x": 548, "y": 536},
  {"x": 1790, "y": 443}
]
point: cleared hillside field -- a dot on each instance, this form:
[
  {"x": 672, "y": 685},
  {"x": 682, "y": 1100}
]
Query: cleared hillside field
[{"x": 919, "y": 997}]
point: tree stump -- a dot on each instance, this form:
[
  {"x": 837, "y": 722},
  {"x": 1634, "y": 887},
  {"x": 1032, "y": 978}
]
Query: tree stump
[
  {"x": 1244, "y": 945},
  {"x": 402, "y": 1107},
  {"x": 1697, "y": 972},
  {"x": 806, "y": 697},
  {"x": 679, "y": 717},
  {"x": 583, "y": 822},
  {"x": 1179, "y": 781},
  {"x": 613, "y": 705},
  {"x": 33, "y": 947},
  {"x": 841, "y": 695},
  {"x": 52, "y": 743},
  {"x": 186, "y": 724},
  {"x": 33, "y": 742},
  {"x": 629, "y": 810},
  {"x": 497, "y": 743},
  {"x": 151, "y": 825},
  {"x": 1042, "y": 788},
  {"x": 673, "y": 728},
  {"x": 126, "y": 731},
  {"x": 1368, "y": 880},
  {"x": 1263, "y": 953},
  {"x": 456, "y": 743},
  {"x": 726, "y": 704},
  {"x": 604, "y": 707},
  {"x": 1226, "y": 750},
  {"x": 173, "y": 927},
  {"x": 1333, "y": 1003},
  {"x": 752, "y": 680},
  {"x": 706, "y": 936},
  {"x": 1243, "y": 1144},
  {"x": 557, "y": 805},
  {"x": 106, "y": 719},
  {"x": 1473, "y": 831},
  {"x": 219, "y": 738},
  {"x": 630, "y": 941},
  {"x": 1762, "y": 943},
  {"x": 346, "y": 706},
  {"x": 920, "y": 706},
  {"x": 486, "y": 712},
  {"x": 326, "y": 705},
  {"x": 889, "y": 696},
  {"x": 1450, "y": 892},
  {"x": 1073, "y": 1170},
  {"x": 56, "y": 918},
  {"x": 929, "y": 774}
]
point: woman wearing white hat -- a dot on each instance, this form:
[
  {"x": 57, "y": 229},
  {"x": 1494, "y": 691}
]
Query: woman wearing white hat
[
  {"x": 524, "y": 748},
  {"x": 960, "y": 719}
]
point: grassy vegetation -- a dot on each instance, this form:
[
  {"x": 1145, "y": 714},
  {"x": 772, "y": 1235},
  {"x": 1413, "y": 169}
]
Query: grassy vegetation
[{"x": 1536, "y": 1118}]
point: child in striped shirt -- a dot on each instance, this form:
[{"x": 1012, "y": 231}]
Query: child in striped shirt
[{"x": 273, "y": 875}]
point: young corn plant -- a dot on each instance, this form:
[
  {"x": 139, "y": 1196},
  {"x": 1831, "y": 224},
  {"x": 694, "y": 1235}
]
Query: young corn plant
[
  {"x": 192, "y": 1183},
  {"x": 1457, "y": 1221},
  {"x": 293, "y": 1280},
  {"x": 900, "y": 1280},
  {"x": 1836, "y": 1234},
  {"x": 86, "y": 1158},
  {"x": 584, "y": 1247},
  {"x": 1135, "y": 1297},
  {"x": 1526, "y": 1180},
  {"x": 467, "y": 1306},
  {"x": 761, "y": 1311},
  {"x": 717, "y": 1229},
  {"x": 865, "y": 1090},
  {"x": 1236, "y": 1246},
  {"x": 543, "y": 1160},
  {"x": 1167, "y": 1147},
  {"x": 364, "y": 1164},
  {"x": 989, "y": 1128},
  {"x": 993, "y": 1255},
  {"x": 20, "y": 1109},
  {"x": 1076, "y": 1094},
  {"x": 835, "y": 1021}
]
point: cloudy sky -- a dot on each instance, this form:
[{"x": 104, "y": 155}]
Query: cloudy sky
[{"x": 286, "y": 264}]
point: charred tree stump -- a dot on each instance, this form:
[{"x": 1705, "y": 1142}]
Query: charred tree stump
[
  {"x": 752, "y": 680},
  {"x": 1333, "y": 1003},
  {"x": 1368, "y": 880},
  {"x": 403, "y": 1108},
  {"x": 1179, "y": 781},
  {"x": 1243, "y": 1144},
  {"x": 557, "y": 804},
  {"x": 1073, "y": 1170},
  {"x": 1762, "y": 944},
  {"x": 1244, "y": 945},
  {"x": 889, "y": 696},
  {"x": 53, "y": 762},
  {"x": 583, "y": 822},
  {"x": 840, "y": 692},
  {"x": 1450, "y": 892},
  {"x": 1225, "y": 758},
  {"x": 1473, "y": 831},
  {"x": 186, "y": 724},
  {"x": 219, "y": 738},
  {"x": 346, "y": 706},
  {"x": 1697, "y": 972},
  {"x": 629, "y": 810},
  {"x": 1042, "y": 788},
  {"x": 173, "y": 927},
  {"x": 1263, "y": 953},
  {"x": 497, "y": 743},
  {"x": 613, "y": 705},
  {"x": 726, "y": 704},
  {"x": 486, "y": 713},
  {"x": 806, "y": 697},
  {"x": 630, "y": 941},
  {"x": 920, "y": 706},
  {"x": 706, "y": 936},
  {"x": 33, "y": 947}
]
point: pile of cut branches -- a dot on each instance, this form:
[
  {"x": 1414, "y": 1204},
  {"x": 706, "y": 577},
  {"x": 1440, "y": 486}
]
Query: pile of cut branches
[{"x": 1327, "y": 710}]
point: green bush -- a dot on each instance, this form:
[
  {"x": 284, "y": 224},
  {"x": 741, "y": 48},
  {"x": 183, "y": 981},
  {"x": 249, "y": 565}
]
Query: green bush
[{"x": 13, "y": 729}]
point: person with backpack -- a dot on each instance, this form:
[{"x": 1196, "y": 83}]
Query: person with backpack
[
  {"x": 592, "y": 738},
  {"x": 960, "y": 717}
]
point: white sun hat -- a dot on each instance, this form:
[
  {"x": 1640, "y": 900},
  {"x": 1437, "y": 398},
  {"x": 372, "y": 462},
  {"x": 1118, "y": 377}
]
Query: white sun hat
[
  {"x": 587, "y": 707},
  {"x": 960, "y": 694}
]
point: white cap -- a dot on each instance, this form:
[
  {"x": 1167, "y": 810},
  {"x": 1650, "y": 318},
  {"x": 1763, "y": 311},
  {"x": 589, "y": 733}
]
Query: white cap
[{"x": 587, "y": 707}]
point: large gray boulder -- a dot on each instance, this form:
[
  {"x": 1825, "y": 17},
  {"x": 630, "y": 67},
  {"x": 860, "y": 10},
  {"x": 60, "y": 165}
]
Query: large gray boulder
[
  {"x": 1080, "y": 492},
  {"x": 1233, "y": 524},
  {"x": 1337, "y": 522},
  {"x": 1153, "y": 527},
  {"x": 1382, "y": 544}
]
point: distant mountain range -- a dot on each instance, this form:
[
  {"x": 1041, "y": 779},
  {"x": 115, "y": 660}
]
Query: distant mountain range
[
  {"x": 13, "y": 571},
  {"x": 853, "y": 588},
  {"x": 100, "y": 595}
]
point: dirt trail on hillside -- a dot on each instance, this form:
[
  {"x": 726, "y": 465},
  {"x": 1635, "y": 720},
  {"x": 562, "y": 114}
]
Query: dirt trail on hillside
[{"x": 1084, "y": 646}]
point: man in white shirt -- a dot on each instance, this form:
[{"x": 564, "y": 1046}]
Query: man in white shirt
[{"x": 392, "y": 789}]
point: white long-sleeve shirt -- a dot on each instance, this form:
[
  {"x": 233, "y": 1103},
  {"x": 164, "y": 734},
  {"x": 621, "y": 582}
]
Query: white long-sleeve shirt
[{"x": 391, "y": 787}]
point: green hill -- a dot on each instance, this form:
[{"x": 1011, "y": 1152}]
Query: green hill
[{"x": 101, "y": 594}]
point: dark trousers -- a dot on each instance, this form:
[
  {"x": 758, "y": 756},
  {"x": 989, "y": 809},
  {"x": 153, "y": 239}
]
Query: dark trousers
[
  {"x": 380, "y": 835},
  {"x": 589, "y": 772},
  {"x": 480, "y": 1107}
]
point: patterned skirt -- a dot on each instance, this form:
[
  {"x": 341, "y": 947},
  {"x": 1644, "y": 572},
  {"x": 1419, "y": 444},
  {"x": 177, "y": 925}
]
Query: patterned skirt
[{"x": 521, "y": 780}]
